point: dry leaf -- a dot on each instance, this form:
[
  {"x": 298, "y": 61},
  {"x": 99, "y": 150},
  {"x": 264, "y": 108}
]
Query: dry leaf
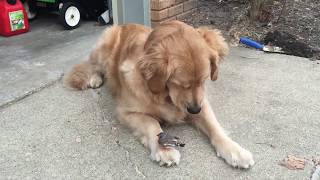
[{"x": 293, "y": 163}]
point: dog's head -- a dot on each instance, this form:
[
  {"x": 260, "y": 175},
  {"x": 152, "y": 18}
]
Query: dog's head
[{"x": 178, "y": 59}]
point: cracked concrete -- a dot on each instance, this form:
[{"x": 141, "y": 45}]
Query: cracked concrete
[
  {"x": 268, "y": 103},
  {"x": 38, "y": 58},
  {"x": 25, "y": 94}
]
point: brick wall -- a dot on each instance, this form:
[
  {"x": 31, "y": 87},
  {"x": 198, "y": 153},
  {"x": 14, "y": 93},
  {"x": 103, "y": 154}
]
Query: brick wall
[{"x": 167, "y": 10}]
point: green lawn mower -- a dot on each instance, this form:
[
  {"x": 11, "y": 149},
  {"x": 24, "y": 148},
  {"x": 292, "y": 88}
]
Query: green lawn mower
[{"x": 72, "y": 11}]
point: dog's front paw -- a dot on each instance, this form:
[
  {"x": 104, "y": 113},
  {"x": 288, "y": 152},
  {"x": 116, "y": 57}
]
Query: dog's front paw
[
  {"x": 166, "y": 156},
  {"x": 95, "y": 81},
  {"x": 235, "y": 155}
]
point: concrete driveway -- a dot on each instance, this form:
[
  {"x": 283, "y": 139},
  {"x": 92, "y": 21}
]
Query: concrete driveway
[{"x": 268, "y": 103}]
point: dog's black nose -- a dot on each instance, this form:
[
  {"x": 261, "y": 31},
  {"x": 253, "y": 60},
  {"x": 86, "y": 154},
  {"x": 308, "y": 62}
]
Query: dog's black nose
[{"x": 193, "y": 109}]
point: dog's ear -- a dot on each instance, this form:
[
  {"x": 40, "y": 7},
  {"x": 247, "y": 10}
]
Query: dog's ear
[
  {"x": 217, "y": 46},
  {"x": 214, "y": 60},
  {"x": 155, "y": 72}
]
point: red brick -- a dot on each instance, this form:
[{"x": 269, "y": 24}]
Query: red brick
[
  {"x": 179, "y": 1},
  {"x": 159, "y": 15},
  {"x": 170, "y": 19},
  {"x": 186, "y": 14},
  {"x": 156, "y": 23},
  {"x": 161, "y": 4},
  {"x": 190, "y": 5},
  {"x": 174, "y": 10}
]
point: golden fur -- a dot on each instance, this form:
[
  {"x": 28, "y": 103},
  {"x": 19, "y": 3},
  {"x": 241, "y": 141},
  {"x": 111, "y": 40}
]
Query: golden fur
[{"x": 158, "y": 75}]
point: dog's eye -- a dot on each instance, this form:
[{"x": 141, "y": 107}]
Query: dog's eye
[
  {"x": 186, "y": 86},
  {"x": 177, "y": 83}
]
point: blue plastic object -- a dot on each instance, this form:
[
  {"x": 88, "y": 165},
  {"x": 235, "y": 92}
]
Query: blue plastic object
[{"x": 251, "y": 43}]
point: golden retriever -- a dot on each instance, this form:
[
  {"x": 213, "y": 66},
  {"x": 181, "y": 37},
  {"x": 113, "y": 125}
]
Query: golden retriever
[{"x": 158, "y": 75}]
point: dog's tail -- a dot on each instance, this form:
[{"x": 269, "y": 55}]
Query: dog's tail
[
  {"x": 88, "y": 74},
  {"x": 91, "y": 73}
]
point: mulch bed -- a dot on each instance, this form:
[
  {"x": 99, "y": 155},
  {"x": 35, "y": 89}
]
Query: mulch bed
[{"x": 299, "y": 19}]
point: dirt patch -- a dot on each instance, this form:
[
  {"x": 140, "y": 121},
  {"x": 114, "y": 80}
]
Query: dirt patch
[{"x": 300, "y": 18}]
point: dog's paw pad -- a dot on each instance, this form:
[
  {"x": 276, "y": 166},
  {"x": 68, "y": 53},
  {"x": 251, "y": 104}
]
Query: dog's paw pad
[
  {"x": 166, "y": 156},
  {"x": 95, "y": 81}
]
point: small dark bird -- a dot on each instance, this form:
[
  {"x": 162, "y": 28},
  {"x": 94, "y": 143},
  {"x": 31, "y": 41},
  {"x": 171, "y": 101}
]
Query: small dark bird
[{"x": 167, "y": 140}]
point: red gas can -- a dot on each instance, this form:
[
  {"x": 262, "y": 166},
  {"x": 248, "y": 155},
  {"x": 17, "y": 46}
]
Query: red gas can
[{"x": 13, "y": 18}]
